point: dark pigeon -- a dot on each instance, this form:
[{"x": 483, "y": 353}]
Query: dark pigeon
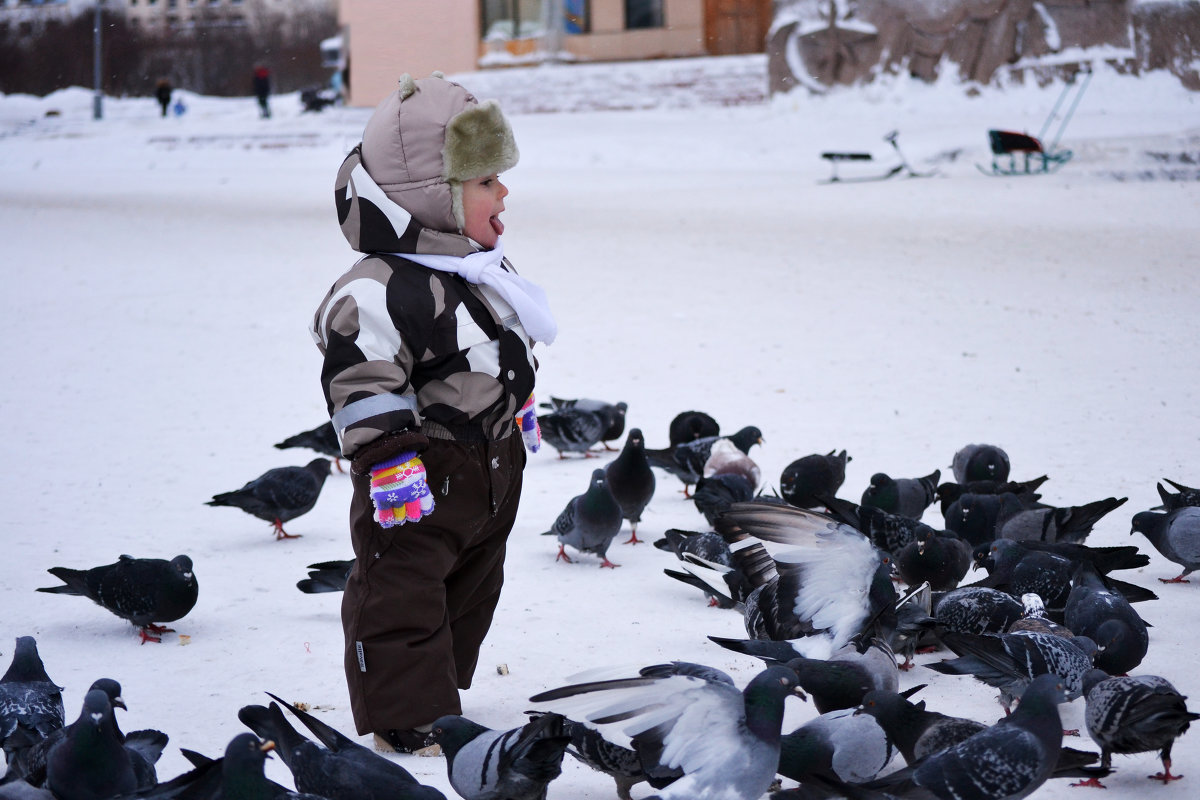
[
  {"x": 840, "y": 745},
  {"x": 144, "y": 591},
  {"x": 91, "y": 763},
  {"x": 1024, "y": 491},
  {"x": 323, "y": 439},
  {"x": 975, "y": 517},
  {"x": 631, "y": 480},
  {"x": 809, "y": 481},
  {"x": 517, "y": 764},
  {"x": 1066, "y": 524},
  {"x": 624, "y": 765},
  {"x": 842, "y": 680},
  {"x": 31, "y": 706},
  {"x": 1009, "y": 760},
  {"x": 726, "y": 588},
  {"x": 279, "y": 495},
  {"x": 613, "y": 415},
  {"x": 908, "y": 497},
  {"x": 242, "y": 776},
  {"x": 1106, "y": 617},
  {"x": 572, "y": 430},
  {"x": 915, "y": 731},
  {"x": 715, "y": 494},
  {"x": 980, "y": 462},
  {"x": 326, "y": 576},
  {"x": 937, "y": 557},
  {"x": 590, "y": 521},
  {"x": 1183, "y": 496},
  {"x": 338, "y": 768},
  {"x": 686, "y": 460},
  {"x": 1010, "y": 661},
  {"x": 687, "y": 426},
  {"x": 725, "y": 741},
  {"x": 889, "y": 532},
  {"x": 975, "y": 610},
  {"x": 1135, "y": 715},
  {"x": 1174, "y": 534}
]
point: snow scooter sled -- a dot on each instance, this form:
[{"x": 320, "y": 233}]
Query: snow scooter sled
[
  {"x": 834, "y": 158},
  {"x": 1037, "y": 158}
]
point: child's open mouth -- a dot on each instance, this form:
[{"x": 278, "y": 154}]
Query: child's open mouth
[{"x": 497, "y": 225}]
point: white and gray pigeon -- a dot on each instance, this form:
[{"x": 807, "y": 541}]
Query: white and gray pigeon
[
  {"x": 686, "y": 460},
  {"x": 590, "y": 521},
  {"x": 1135, "y": 715},
  {"x": 724, "y": 740},
  {"x": 1011, "y": 661},
  {"x": 517, "y": 764},
  {"x": 1006, "y": 761},
  {"x": 91, "y": 763},
  {"x": 279, "y": 495},
  {"x": 1174, "y": 534},
  {"x": 980, "y": 462},
  {"x": 31, "y": 705},
  {"x": 631, "y": 480},
  {"x": 144, "y": 591}
]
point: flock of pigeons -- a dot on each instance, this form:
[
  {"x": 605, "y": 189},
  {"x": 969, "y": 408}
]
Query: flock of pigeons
[{"x": 835, "y": 608}]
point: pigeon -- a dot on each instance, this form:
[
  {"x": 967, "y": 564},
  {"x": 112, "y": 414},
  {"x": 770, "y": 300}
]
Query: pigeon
[
  {"x": 715, "y": 494},
  {"x": 1066, "y": 524},
  {"x": 144, "y": 591},
  {"x": 1010, "y": 661},
  {"x": 279, "y": 495},
  {"x": 572, "y": 430},
  {"x": 31, "y": 706},
  {"x": 631, "y": 480},
  {"x": 1008, "y": 760},
  {"x": 1135, "y": 715},
  {"x": 686, "y": 460},
  {"x": 725, "y": 458},
  {"x": 326, "y": 576},
  {"x": 725, "y": 741},
  {"x": 1034, "y": 620},
  {"x": 241, "y": 775},
  {"x": 590, "y": 521},
  {"x": 975, "y": 517},
  {"x": 980, "y": 462},
  {"x": 1024, "y": 491},
  {"x": 708, "y": 545},
  {"x": 687, "y": 426},
  {"x": 975, "y": 610},
  {"x": 1174, "y": 534},
  {"x": 517, "y": 764},
  {"x": 937, "y": 557},
  {"x": 807, "y": 482},
  {"x": 725, "y": 588},
  {"x": 908, "y": 497},
  {"x": 915, "y": 731},
  {"x": 622, "y": 764},
  {"x": 91, "y": 763},
  {"x": 613, "y": 415},
  {"x": 843, "y": 745},
  {"x": 1106, "y": 617},
  {"x": 322, "y": 439},
  {"x": 1184, "y": 496},
  {"x": 342, "y": 769}
]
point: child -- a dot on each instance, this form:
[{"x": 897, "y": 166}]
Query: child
[{"x": 428, "y": 373}]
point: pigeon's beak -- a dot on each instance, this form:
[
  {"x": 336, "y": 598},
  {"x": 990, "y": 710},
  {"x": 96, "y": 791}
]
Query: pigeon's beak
[
  {"x": 796, "y": 690},
  {"x": 267, "y": 746},
  {"x": 921, "y": 548},
  {"x": 119, "y": 702}
]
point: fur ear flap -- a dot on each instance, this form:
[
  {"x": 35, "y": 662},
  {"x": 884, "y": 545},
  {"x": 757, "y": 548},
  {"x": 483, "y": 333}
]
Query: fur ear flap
[
  {"x": 407, "y": 86},
  {"x": 479, "y": 142}
]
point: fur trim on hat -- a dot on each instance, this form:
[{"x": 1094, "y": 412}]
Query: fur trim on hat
[{"x": 479, "y": 142}]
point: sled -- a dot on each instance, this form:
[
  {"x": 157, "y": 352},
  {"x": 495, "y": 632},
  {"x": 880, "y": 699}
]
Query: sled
[
  {"x": 1027, "y": 155},
  {"x": 837, "y": 157}
]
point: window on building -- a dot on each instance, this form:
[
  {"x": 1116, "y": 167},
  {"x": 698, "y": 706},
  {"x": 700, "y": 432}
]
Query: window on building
[
  {"x": 643, "y": 14},
  {"x": 511, "y": 19}
]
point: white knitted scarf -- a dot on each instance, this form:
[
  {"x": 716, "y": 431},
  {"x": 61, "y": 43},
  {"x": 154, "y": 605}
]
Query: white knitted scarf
[{"x": 485, "y": 268}]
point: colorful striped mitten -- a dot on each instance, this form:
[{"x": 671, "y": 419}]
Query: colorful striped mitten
[
  {"x": 531, "y": 432},
  {"x": 399, "y": 490}
]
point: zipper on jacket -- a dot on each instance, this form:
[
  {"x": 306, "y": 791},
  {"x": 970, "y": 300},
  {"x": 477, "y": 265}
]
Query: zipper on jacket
[{"x": 446, "y": 487}]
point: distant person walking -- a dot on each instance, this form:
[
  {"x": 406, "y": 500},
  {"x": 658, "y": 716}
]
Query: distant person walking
[
  {"x": 162, "y": 93},
  {"x": 262, "y": 90}
]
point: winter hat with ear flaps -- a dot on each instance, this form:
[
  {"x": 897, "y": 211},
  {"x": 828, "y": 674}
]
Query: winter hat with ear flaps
[{"x": 429, "y": 136}]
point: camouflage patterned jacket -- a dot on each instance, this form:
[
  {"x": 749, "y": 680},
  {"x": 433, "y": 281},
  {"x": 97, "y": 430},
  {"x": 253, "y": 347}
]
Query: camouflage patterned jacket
[{"x": 409, "y": 349}]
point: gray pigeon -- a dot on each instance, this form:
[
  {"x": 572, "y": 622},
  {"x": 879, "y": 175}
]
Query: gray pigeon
[
  {"x": 1010, "y": 661},
  {"x": 842, "y": 745},
  {"x": 1066, "y": 524},
  {"x": 1174, "y": 534},
  {"x": 810, "y": 481},
  {"x": 907, "y": 497},
  {"x": 1106, "y": 617},
  {"x": 590, "y": 521},
  {"x": 975, "y": 610},
  {"x": 726, "y": 741},
  {"x": 517, "y": 764},
  {"x": 91, "y": 763},
  {"x": 1135, "y": 715},
  {"x": 322, "y": 439},
  {"x": 613, "y": 415},
  {"x": 1006, "y": 761},
  {"x": 279, "y": 495},
  {"x": 631, "y": 480},
  {"x": 980, "y": 462},
  {"x": 144, "y": 591},
  {"x": 31, "y": 706},
  {"x": 572, "y": 430}
]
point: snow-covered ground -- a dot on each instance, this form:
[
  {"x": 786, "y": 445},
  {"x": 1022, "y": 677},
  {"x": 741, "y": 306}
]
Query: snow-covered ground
[{"x": 160, "y": 274}]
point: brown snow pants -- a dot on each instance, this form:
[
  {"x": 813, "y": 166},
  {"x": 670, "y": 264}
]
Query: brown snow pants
[{"x": 420, "y": 597}]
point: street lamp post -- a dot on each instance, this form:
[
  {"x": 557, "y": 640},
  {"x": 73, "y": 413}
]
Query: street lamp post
[{"x": 98, "y": 99}]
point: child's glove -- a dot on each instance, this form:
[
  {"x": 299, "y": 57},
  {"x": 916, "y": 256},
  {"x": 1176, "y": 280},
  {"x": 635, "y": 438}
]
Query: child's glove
[
  {"x": 399, "y": 490},
  {"x": 531, "y": 432}
]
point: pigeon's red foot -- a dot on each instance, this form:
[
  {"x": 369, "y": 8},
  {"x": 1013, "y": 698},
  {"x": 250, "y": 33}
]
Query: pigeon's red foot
[
  {"x": 1176, "y": 579},
  {"x": 148, "y": 637},
  {"x": 337, "y": 462},
  {"x": 712, "y": 602},
  {"x": 1093, "y": 782},
  {"x": 633, "y": 539},
  {"x": 1165, "y": 776},
  {"x": 158, "y": 628},
  {"x": 907, "y": 665},
  {"x": 609, "y": 564},
  {"x": 1071, "y": 732},
  {"x": 686, "y": 494},
  {"x": 562, "y": 554},
  {"x": 281, "y": 534},
  {"x": 931, "y": 648}
]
